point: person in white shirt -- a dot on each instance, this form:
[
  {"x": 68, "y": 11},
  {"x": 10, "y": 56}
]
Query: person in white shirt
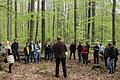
[
  {"x": 10, "y": 59},
  {"x": 101, "y": 49}
]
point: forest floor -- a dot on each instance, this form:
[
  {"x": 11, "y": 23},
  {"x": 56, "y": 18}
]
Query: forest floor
[{"x": 45, "y": 70}]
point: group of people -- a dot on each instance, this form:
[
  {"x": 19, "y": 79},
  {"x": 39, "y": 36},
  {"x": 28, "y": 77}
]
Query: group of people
[
  {"x": 32, "y": 52},
  {"x": 109, "y": 54},
  {"x": 83, "y": 51},
  {"x": 58, "y": 51}
]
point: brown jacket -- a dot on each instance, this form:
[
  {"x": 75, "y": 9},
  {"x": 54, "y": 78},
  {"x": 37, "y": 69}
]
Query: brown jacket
[{"x": 59, "y": 49}]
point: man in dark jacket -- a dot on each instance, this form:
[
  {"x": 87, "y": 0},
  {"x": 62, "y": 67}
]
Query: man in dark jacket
[
  {"x": 59, "y": 49},
  {"x": 79, "y": 47},
  {"x": 96, "y": 54},
  {"x": 112, "y": 56},
  {"x": 106, "y": 52},
  {"x": 15, "y": 47},
  {"x": 72, "y": 49},
  {"x": 47, "y": 51}
]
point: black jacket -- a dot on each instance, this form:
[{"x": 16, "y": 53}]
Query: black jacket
[
  {"x": 79, "y": 47},
  {"x": 59, "y": 49},
  {"x": 113, "y": 53},
  {"x": 15, "y": 47},
  {"x": 96, "y": 50},
  {"x": 73, "y": 47}
]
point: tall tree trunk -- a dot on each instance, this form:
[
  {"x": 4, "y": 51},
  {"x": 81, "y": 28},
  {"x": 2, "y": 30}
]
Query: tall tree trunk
[
  {"x": 32, "y": 21},
  {"x": 65, "y": 21},
  {"x": 102, "y": 20},
  {"x": 37, "y": 21},
  {"x": 75, "y": 19},
  {"x": 28, "y": 27},
  {"x": 86, "y": 20},
  {"x": 113, "y": 21},
  {"x": 9, "y": 20},
  {"x": 93, "y": 22},
  {"x": 68, "y": 21},
  {"x": 89, "y": 19},
  {"x": 43, "y": 24},
  {"x": 16, "y": 19},
  {"x": 58, "y": 19},
  {"x": 53, "y": 20}
]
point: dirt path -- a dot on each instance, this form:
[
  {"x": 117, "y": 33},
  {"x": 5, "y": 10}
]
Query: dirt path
[{"x": 46, "y": 70}]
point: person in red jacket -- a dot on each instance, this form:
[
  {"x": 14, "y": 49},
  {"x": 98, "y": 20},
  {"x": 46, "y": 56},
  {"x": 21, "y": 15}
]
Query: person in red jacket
[{"x": 84, "y": 54}]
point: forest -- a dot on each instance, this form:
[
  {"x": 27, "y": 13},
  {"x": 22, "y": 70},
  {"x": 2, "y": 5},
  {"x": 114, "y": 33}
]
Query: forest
[
  {"x": 78, "y": 20},
  {"x": 44, "y": 20}
]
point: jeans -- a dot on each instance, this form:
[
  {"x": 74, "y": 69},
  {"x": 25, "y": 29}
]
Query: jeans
[
  {"x": 80, "y": 56},
  {"x": 63, "y": 65},
  {"x": 47, "y": 55},
  {"x": 111, "y": 66},
  {"x": 37, "y": 57},
  {"x": 26, "y": 58},
  {"x": 52, "y": 56}
]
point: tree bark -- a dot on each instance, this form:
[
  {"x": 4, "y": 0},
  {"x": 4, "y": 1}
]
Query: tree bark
[
  {"x": 32, "y": 21},
  {"x": 75, "y": 19},
  {"x": 89, "y": 20},
  {"x": 16, "y": 19},
  {"x": 93, "y": 22},
  {"x": 43, "y": 24},
  {"x": 113, "y": 22},
  {"x": 28, "y": 27},
  {"x": 37, "y": 21},
  {"x": 68, "y": 21},
  {"x": 53, "y": 20},
  {"x": 9, "y": 18}
]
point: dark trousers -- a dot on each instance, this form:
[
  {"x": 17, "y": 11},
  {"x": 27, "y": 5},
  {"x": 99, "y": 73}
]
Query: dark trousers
[
  {"x": 85, "y": 59},
  {"x": 47, "y": 55},
  {"x": 72, "y": 52},
  {"x": 96, "y": 59},
  {"x": 115, "y": 63},
  {"x": 63, "y": 65},
  {"x": 105, "y": 58},
  {"x": 52, "y": 56},
  {"x": 10, "y": 67},
  {"x": 16, "y": 54},
  {"x": 32, "y": 55}
]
